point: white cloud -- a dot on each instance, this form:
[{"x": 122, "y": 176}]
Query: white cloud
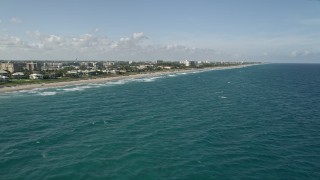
[
  {"x": 10, "y": 42},
  {"x": 36, "y": 45},
  {"x": 42, "y": 41},
  {"x": 138, "y": 47},
  {"x": 138, "y": 36},
  {"x": 15, "y": 20},
  {"x": 98, "y": 47},
  {"x": 302, "y": 53},
  {"x": 34, "y": 34},
  {"x": 89, "y": 42},
  {"x": 126, "y": 43},
  {"x": 54, "y": 39}
]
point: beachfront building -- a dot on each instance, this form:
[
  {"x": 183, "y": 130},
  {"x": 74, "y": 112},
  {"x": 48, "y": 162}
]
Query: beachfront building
[
  {"x": 75, "y": 73},
  {"x": 18, "y": 75},
  {"x": 188, "y": 63},
  {"x": 145, "y": 66},
  {"x": 89, "y": 72},
  {"x": 7, "y": 67},
  {"x": 31, "y": 66},
  {"x": 4, "y": 78},
  {"x": 193, "y": 63},
  {"x": 185, "y": 62},
  {"x": 3, "y": 73},
  {"x": 12, "y": 66},
  {"x": 114, "y": 71},
  {"x": 122, "y": 71},
  {"x": 92, "y": 65},
  {"x": 36, "y": 76},
  {"x": 47, "y": 66},
  {"x": 159, "y": 61},
  {"x": 108, "y": 63}
]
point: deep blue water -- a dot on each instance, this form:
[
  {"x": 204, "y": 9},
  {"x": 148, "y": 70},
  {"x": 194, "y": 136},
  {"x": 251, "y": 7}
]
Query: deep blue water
[{"x": 259, "y": 122}]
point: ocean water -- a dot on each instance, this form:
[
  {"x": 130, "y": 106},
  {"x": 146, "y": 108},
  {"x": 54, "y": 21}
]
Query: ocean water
[{"x": 258, "y": 122}]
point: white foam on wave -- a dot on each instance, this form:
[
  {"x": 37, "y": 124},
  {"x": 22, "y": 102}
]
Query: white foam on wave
[
  {"x": 81, "y": 87},
  {"x": 24, "y": 91},
  {"x": 223, "y": 97},
  {"x": 172, "y": 75},
  {"x": 35, "y": 91},
  {"x": 191, "y": 72},
  {"x": 182, "y": 73},
  {"x": 49, "y": 93},
  {"x": 119, "y": 82},
  {"x": 148, "y": 79},
  {"x": 77, "y": 88},
  {"x": 72, "y": 89},
  {"x": 96, "y": 85},
  {"x": 151, "y": 79},
  {"x": 31, "y": 91}
]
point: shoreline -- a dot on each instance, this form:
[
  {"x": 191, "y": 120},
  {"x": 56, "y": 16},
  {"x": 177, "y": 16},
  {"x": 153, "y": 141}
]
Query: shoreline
[{"x": 107, "y": 79}]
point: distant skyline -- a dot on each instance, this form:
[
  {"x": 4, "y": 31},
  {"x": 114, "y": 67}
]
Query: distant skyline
[{"x": 266, "y": 30}]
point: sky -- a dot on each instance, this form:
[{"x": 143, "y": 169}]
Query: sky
[{"x": 133, "y": 30}]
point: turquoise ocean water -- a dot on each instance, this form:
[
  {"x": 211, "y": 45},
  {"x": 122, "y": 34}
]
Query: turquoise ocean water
[{"x": 259, "y": 122}]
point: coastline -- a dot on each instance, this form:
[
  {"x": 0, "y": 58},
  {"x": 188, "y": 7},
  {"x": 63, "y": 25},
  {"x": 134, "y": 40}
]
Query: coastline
[{"x": 107, "y": 79}]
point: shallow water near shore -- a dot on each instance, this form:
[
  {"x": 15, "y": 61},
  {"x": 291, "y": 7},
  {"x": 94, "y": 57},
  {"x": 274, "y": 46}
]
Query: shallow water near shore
[{"x": 257, "y": 122}]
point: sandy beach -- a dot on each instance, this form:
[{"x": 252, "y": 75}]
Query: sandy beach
[{"x": 105, "y": 79}]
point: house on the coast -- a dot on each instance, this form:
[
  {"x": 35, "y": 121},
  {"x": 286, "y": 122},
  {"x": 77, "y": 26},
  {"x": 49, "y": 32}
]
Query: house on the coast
[
  {"x": 4, "y": 78},
  {"x": 114, "y": 71},
  {"x": 3, "y": 73},
  {"x": 36, "y": 76},
  {"x": 74, "y": 73},
  {"x": 18, "y": 75},
  {"x": 89, "y": 72}
]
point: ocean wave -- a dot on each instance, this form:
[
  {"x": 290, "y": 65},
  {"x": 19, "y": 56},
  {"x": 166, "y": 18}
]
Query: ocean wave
[
  {"x": 32, "y": 91},
  {"x": 172, "y": 75},
  {"x": 77, "y": 88},
  {"x": 151, "y": 79},
  {"x": 119, "y": 82},
  {"x": 184, "y": 73},
  {"x": 122, "y": 134},
  {"x": 49, "y": 93},
  {"x": 147, "y": 79}
]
